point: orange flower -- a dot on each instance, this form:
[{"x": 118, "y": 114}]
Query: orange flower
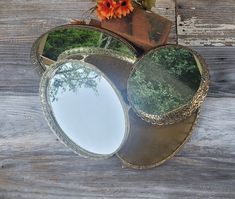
[
  {"x": 123, "y": 8},
  {"x": 105, "y": 9}
]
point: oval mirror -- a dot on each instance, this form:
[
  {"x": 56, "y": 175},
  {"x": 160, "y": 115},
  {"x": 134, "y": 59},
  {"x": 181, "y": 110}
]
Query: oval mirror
[
  {"x": 49, "y": 46},
  {"x": 168, "y": 84},
  {"x": 84, "y": 108}
]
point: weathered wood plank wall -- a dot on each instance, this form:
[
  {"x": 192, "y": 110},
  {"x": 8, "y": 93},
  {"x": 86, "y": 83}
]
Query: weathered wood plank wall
[
  {"x": 33, "y": 164},
  {"x": 206, "y": 22}
]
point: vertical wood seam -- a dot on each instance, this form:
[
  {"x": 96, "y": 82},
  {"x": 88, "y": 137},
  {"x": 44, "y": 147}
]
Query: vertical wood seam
[{"x": 176, "y": 22}]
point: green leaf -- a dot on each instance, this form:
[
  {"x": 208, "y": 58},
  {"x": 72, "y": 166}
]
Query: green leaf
[{"x": 148, "y": 4}]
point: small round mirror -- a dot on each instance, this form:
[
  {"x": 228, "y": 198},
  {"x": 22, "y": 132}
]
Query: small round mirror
[
  {"x": 168, "y": 84},
  {"x": 84, "y": 108},
  {"x": 50, "y": 45}
]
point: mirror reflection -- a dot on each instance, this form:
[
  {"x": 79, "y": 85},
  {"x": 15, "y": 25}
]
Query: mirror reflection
[
  {"x": 52, "y": 44},
  {"x": 114, "y": 65},
  {"x": 163, "y": 80},
  {"x": 87, "y": 107}
]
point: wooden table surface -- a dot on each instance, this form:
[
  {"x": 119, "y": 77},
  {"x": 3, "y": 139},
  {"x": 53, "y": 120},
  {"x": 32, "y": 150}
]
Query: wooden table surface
[{"x": 34, "y": 164}]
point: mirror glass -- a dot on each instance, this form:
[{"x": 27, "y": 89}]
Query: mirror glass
[
  {"x": 164, "y": 80},
  {"x": 87, "y": 107},
  {"x": 114, "y": 65},
  {"x": 50, "y": 45}
]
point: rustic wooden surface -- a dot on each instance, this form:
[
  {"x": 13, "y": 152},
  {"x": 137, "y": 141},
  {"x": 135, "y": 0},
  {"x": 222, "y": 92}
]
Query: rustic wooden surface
[{"x": 34, "y": 164}]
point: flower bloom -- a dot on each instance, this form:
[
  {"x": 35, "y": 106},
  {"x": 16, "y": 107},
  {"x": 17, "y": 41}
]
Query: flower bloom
[
  {"x": 123, "y": 8},
  {"x": 107, "y": 9}
]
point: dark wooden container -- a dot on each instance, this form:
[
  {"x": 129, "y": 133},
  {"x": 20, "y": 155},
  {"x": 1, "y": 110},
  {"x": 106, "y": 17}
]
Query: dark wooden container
[{"x": 144, "y": 29}]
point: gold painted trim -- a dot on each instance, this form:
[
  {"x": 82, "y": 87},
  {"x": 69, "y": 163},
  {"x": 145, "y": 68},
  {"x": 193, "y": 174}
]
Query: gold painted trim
[
  {"x": 184, "y": 111},
  {"x": 48, "y": 112}
]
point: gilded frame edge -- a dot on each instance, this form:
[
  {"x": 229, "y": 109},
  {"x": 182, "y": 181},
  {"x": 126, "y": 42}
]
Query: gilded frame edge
[
  {"x": 40, "y": 68},
  {"x": 54, "y": 126},
  {"x": 184, "y": 111}
]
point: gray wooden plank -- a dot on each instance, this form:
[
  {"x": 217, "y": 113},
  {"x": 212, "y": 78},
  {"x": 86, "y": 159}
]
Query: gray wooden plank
[
  {"x": 17, "y": 76},
  {"x": 206, "y": 23},
  {"x": 221, "y": 64},
  {"x": 33, "y": 164},
  {"x": 21, "y": 22},
  {"x": 166, "y": 8}
]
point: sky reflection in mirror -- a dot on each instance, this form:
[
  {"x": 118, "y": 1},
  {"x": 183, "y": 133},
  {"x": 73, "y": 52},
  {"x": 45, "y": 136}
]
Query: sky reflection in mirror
[{"x": 87, "y": 108}]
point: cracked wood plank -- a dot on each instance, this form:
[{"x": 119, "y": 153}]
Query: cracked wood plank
[{"x": 206, "y": 23}]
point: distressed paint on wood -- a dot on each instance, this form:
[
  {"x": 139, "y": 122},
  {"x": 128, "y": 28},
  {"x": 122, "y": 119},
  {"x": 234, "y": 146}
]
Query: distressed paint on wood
[{"x": 206, "y": 23}]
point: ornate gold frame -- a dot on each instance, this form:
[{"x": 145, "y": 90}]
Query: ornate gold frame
[
  {"x": 125, "y": 163},
  {"x": 172, "y": 117},
  {"x": 184, "y": 111},
  {"x": 55, "y": 127}
]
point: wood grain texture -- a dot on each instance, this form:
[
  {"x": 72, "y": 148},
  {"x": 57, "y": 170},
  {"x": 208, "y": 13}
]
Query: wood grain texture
[
  {"x": 25, "y": 81},
  {"x": 206, "y": 22},
  {"x": 221, "y": 64},
  {"x": 21, "y": 22},
  {"x": 34, "y": 164},
  {"x": 166, "y": 8}
]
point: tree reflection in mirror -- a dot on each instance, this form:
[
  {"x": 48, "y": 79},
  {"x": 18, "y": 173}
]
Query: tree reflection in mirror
[
  {"x": 164, "y": 80},
  {"x": 87, "y": 107}
]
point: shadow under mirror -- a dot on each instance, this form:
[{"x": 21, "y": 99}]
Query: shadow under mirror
[
  {"x": 50, "y": 45},
  {"x": 85, "y": 108},
  {"x": 166, "y": 79}
]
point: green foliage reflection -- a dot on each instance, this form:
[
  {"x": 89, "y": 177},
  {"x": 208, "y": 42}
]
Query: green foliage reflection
[
  {"x": 165, "y": 80},
  {"x": 71, "y": 77},
  {"x": 65, "y": 39}
]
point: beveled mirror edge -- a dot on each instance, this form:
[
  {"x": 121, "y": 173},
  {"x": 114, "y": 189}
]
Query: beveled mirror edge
[
  {"x": 54, "y": 126},
  {"x": 175, "y": 152},
  {"x": 184, "y": 111},
  {"x": 97, "y": 51},
  {"x": 40, "y": 68}
]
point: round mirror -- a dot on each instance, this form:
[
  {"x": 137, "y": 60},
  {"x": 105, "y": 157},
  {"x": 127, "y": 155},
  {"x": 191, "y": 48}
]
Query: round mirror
[
  {"x": 50, "y": 45},
  {"x": 84, "y": 108},
  {"x": 168, "y": 84}
]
